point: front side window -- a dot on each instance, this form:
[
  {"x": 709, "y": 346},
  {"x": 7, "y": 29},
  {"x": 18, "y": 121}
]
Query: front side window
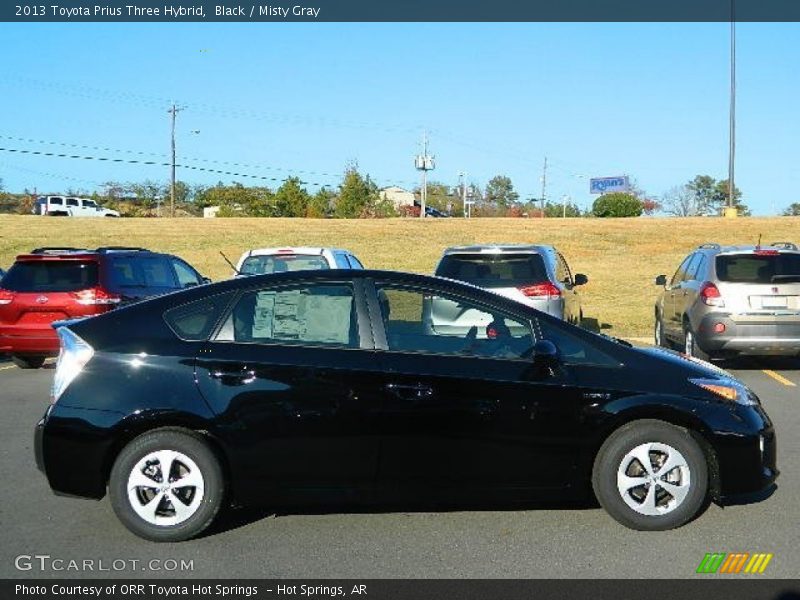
[
  {"x": 434, "y": 323},
  {"x": 574, "y": 350},
  {"x": 307, "y": 314},
  {"x": 58, "y": 201},
  {"x": 678, "y": 277}
]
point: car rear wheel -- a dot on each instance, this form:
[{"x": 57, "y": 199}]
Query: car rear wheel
[
  {"x": 658, "y": 334},
  {"x": 28, "y": 362},
  {"x": 166, "y": 485},
  {"x": 690, "y": 344},
  {"x": 651, "y": 476}
]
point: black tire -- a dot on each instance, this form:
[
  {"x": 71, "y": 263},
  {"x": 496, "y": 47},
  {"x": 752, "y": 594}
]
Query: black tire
[
  {"x": 690, "y": 344},
  {"x": 615, "y": 452},
  {"x": 188, "y": 444},
  {"x": 28, "y": 362}
]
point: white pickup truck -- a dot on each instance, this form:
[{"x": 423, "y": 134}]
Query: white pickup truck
[{"x": 70, "y": 206}]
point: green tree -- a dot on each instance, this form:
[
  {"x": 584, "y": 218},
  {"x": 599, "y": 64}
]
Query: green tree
[
  {"x": 440, "y": 197},
  {"x": 553, "y": 209},
  {"x": 711, "y": 196},
  {"x": 500, "y": 192},
  {"x": 291, "y": 200},
  {"x": 319, "y": 205},
  {"x": 355, "y": 194},
  {"x": 617, "y": 204},
  {"x": 793, "y": 210}
]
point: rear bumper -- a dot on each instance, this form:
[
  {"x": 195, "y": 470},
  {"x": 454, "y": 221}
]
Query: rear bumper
[
  {"x": 763, "y": 336},
  {"x": 19, "y": 340}
]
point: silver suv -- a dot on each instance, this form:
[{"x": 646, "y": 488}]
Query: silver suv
[
  {"x": 538, "y": 276},
  {"x": 729, "y": 300}
]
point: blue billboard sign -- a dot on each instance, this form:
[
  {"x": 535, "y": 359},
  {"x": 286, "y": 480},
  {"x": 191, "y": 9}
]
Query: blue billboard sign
[{"x": 604, "y": 185}]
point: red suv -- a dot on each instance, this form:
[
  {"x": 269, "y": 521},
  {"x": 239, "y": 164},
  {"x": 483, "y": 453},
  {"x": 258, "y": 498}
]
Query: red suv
[{"x": 52, "y": 284}]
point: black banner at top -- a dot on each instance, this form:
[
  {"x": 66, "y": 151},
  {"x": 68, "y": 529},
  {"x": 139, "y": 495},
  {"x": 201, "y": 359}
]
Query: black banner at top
[{"x": 398, "y": 10}]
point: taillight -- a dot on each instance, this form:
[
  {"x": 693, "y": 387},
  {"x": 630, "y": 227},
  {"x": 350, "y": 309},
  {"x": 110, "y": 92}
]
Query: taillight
[
  {"x": 766, "y": 252},
  {"x": 540, "y": 290},
  {"x": 710, "y": 295},
  {"x": 94, "y": 296},
  {"x": 6, "y": 297},
  {"x": 74, "y": 355}
]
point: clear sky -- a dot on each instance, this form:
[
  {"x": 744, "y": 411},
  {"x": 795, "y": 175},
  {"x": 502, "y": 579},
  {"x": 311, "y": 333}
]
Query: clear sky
[{"x": 647, "y": 100}]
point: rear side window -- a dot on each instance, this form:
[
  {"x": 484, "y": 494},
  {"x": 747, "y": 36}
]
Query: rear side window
[
  {"x": 194, "y": 322},
  {"x": 280, "y": 263},
  {"x": 58, "y": 201},
  {"x": 494, "y": 270},
  {"x": 51, "y": 276},
  {"x": 759, "y": 268},
  {"x": 140, "y": 272}
]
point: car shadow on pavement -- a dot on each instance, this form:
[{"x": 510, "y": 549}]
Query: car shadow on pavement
[
  {"x": 759, "y": 363},
  {"x": 753, "y": 498},
  {"x": 234, "y": 517}
]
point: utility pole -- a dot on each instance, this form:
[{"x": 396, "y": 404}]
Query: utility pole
[
  {"x": 732, "y": 125},
  {"x": 544, "y": 184},
  {"x": 564, "y": 201},
  {"x": 173, "y": 111},
  {"x": 462, "y": 176},
  {"x": 424, "y": 163}
]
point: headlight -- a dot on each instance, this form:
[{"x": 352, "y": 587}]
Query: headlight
[
  {"x": 727, "y": 390},
  {"x": 73, "y": 356}
]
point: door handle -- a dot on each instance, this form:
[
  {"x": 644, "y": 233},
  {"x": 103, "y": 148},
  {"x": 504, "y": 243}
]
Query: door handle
[
  {"x": 238, "y": 376},
  {"x": 410, "y": 392}
]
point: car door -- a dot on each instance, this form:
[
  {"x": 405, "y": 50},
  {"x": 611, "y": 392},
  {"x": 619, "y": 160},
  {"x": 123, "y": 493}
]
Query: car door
[
  {"x": 672, "y": 327},
  {"x": 467, "y": 408},
  {"x": 682, "y": 293},
  {"x": 292, "y": 376},
  {"x": 572, "y": 303}
]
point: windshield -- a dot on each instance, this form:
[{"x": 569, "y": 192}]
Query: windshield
[
  {"x": 51, "y": 276},
  {"x": 280, "y": 263},
  {"x": 494, "y": 270},
  {"x": 759, "y": 268}
]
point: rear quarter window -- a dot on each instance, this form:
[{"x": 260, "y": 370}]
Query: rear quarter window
[
  {"x": 51, "y": 276},
  {"x": 194, "y": 322}
]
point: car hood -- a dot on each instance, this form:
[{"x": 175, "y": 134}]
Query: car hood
[{"x": 694, "y": 366}]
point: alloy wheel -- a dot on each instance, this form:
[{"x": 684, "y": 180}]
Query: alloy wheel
[
  {"x": 653, "y": 478},
  {"x": 165, "y": 487}
]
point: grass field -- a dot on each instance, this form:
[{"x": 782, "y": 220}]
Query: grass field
[{"x": 620, "y": 256}]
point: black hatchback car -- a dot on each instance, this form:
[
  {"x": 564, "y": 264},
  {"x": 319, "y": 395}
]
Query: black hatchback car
[{"x": 251, "y": 389}]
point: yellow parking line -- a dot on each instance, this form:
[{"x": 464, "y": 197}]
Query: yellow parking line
[
  {"x": 779, "y": 378},
  {"x": 8, "y": 367}
]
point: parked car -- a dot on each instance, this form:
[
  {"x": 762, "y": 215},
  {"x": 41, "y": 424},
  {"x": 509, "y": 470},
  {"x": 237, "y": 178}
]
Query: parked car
[
  {"x": 263, "y": 261},
  {"x": 725, "y": 301},
  {"x": 51, "y": 284},
  {"x": 538, "y": 276},
  {"x": 257, "y": 389},
  {"x": 69, "y": 206}
]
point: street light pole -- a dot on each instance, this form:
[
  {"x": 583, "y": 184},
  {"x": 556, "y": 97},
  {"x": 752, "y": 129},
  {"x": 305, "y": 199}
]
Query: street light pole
[{"x": 732, "y": 123}]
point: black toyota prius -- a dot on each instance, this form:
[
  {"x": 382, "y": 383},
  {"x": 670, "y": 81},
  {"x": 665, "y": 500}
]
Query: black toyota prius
[{"x": 384, "y": 384}]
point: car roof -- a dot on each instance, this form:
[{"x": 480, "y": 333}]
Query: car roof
[
  {"x": 746, "y": 248},
  {"x": 498, "y": 249},
  {"x": 291, "y": 249},
  {"x": 61, "y": 253}
]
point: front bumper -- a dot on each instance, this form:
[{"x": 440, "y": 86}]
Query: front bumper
[{"x": 757, "y": 335}]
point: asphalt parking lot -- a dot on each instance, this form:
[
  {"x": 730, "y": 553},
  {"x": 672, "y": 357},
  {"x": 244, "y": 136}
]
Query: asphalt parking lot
[{"x": 539, "y": 542}]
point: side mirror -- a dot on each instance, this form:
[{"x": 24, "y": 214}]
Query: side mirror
[
  {"x": 581, "y": 279},
  {"x": 661, "y": 280},
  {"x": 545, "y": 354}
]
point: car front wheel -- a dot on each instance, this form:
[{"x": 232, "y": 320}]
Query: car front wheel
[
  {"x": 658, "y": 333},
  {"x": 166, "y": 485},
  {"x": 651, "y": 476}
]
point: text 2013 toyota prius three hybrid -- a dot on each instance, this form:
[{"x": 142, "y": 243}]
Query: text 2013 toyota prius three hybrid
[{"x": 262, "y": 388}]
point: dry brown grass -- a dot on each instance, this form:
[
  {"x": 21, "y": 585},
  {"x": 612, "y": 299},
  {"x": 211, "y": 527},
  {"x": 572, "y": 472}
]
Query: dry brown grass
[{"x": 620, "y": 256}]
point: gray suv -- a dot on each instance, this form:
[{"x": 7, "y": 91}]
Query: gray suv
[
  {"x": 535, "y": 275},
  {"x": 725, "y": 301}
]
